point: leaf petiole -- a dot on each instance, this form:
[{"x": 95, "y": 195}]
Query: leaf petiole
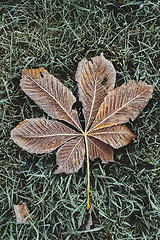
[{"x": 88, "y": 174}]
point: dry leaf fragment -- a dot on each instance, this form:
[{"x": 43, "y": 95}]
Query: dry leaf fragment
[
  {"x": 22, "y": 212},
  {"x": 105, "y": 111}
]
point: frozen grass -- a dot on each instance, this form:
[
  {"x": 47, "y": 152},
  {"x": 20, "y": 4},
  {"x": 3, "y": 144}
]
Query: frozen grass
[{"x": 125, "y": 195}]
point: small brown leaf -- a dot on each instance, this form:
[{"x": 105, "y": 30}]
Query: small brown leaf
[{"x": 22, "y": 212}]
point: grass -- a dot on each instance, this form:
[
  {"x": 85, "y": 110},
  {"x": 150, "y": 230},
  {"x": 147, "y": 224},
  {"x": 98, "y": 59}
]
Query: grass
[{"x": 125, "y": 195}]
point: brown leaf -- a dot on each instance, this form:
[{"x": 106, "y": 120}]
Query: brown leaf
[
  {"x": 39, "y": 135},
  {"x": 100, "y": 149},
  {"x": 50, "y": 94},
  {"x": 89, "y": 76},
  {"x": 22, "y": 212},
  {"x": 70, "y": 156},
  {"x": 123, "y": 104},
  {"x": 108, "y": 109},
  {"x": 116, "y": 136}
]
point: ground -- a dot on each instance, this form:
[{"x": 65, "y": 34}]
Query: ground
[{"x": 125, "y": 195}]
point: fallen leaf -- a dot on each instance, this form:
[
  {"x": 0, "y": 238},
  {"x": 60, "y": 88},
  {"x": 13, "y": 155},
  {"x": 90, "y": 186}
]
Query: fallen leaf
[
  {"x": 105, "y": 111},
  {"x": 22, "y": 212}
]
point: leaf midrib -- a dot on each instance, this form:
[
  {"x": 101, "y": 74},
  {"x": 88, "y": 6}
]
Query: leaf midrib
[
  {"x": 93, "y": 101},
  {"x": 107, "y": 133},
  {"x": 52, "y": 135}
]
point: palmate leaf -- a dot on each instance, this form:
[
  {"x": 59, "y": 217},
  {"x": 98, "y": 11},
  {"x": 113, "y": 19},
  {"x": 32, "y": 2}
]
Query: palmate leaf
[{"x": 105, "y": 111}]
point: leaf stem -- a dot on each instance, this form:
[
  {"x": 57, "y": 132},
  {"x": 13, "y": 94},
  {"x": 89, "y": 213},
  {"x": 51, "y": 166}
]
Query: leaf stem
[{"x": 88, "y": 174}]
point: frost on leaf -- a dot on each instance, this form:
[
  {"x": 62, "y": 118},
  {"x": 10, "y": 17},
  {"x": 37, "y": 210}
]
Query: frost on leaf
[{"x": 105, "y": 111}]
